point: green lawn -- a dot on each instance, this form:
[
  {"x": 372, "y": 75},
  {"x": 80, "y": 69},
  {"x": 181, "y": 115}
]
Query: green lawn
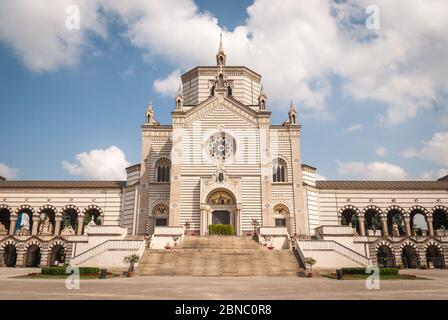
[
  {"x": 384, "y": 277},
  {"x": 62, "y": 276}
]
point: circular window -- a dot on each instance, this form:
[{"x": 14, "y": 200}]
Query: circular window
[{"x": 221, "y": 146}]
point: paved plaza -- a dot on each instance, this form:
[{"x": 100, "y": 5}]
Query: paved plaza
[{"x": 181, "y": 288}]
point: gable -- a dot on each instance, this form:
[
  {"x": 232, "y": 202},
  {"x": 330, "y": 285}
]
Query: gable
[{"x": 217, "y": 112}]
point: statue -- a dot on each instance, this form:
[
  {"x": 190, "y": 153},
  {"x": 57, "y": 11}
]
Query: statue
[
  {"x": 3, "y": 230},
  {"x": 68, "y": 231},
  {"x": 23, "y": 231},
  {"x": 46, "y": 227},
  {"x": 395, "y": 230}
]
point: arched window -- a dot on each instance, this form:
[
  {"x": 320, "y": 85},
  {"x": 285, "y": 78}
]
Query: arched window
[
  {"x": 160, "y": 212},
  {"x": 229, "y": 90},
  {"x": 162, "y": 170},
  {"x": 212, "y": 90},
  {"x": 279, "y": 170}
]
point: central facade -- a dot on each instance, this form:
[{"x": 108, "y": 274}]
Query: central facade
[{"x": 221, "y": 160}]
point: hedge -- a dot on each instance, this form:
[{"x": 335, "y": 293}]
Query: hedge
[
  {"x": 221, "y": 229},
  {"x": 383, "y": 271},
  {"x": 53, "y": 271}
]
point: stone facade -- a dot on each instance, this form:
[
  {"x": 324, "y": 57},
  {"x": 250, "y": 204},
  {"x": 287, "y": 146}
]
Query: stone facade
[{"x": 221, "y": 161}]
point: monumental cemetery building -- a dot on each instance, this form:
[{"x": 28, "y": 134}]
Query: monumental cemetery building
[{"x": 222, "y": 162}]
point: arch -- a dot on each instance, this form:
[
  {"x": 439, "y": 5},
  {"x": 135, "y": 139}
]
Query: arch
[
  {"x": 57, "y": 252},
  {"x": 409, "y": 255},
  {"x": 440, "y": 218},
  {"x": 420, "y": 213},
  {"x": 161, "y": 214},
  {"x": 33, "y": 254},
  {"x": 51, "y": 212},
  {"x": 349, "y": 216},
  {"x": 70, "y": 214},
  {"x": 162, "y": 168},
  {"x": 349, "y": 207},
  {"x": 282, "y": 216},
  {"x": 229, "y": 90},
  {"x": 434, "y": 255},
  {"x": 372, "y": 217},
  {"x": 385, "y": 255},
  {"x": 395, "y": 221},
  {"x": 93, "y": 212},
  {"x": 9, "y": 249},
  {"x": 221, "y": 197},
  {"x": 5, "y": 219},
  {"x": 24, "y": 226},
  {"x": 279, "y": 170}
]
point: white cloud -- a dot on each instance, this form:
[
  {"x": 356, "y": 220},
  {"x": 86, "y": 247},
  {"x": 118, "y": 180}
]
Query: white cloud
[
  {"x": 169, "y": 85},
  {"x": 99, "y": 164},
  {"x": 8, "y": 172},
  {"x": 434, "y": 174},
  {"x": 128, "y": 72},
  {"x": 37, "y": 31},
  {"x": 353, "y": 127},
  {"x": 320, "y": 177},
  {"x": 381, "y": 151},
  {"x": 298, "y": 46},
  {"x": 434, "y": 150},
  {"x": 371, "y": 170}
]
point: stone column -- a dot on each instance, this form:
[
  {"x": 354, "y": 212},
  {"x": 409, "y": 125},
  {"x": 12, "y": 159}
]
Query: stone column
[
  {"x": 362, "y": 228},
  {"x": 407, "y": 224},
  {"x": 265, "y": 175},
  {"x": 204, "y": 222},
  {"x": 12, "y": 225},
  {"x": 384, "y": 225},
  {"x": 238, "y": 222},
  {"x": 57, "y": 227},
  {"x": 35, "y": 228},
  {"x": 429, "y": 221},
  {"x": 80, "y": 226},
  {"x": 176, "y": 169}
]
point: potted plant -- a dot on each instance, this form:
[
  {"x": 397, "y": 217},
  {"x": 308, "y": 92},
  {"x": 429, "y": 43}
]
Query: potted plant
[
  {"x": 310, "y": 262},
  {"x": 131, "y": 259},
  {"x": 167, "y": 246},
  {"x": 270, "y": 246}
]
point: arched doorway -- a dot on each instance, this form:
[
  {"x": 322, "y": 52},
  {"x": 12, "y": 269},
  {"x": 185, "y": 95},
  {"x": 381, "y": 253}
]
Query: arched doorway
[
  {"x": 434, "y": 257},
  {"x": 395, "y": 223},
  {"x": 57, "y": 255},
  {"x": 33, "y": 256},
  {"x": 160, "y": 214},
  {"x": 409, "y": 257},
  {"x": 47, "y": 221},
  {"x": 10, "y": 255},
  {"x": 222, "y": 209},
  {"x": 349, "y": 217},
  {"x": 282, "y": 217},
  {"x": 385, "y": 257}
]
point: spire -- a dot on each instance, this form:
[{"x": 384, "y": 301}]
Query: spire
[
  {"x": 179, "y": 98},
  {"x": 221, "y": 56},
  {"x": 149, "y": 114},
  {"x": 262, "y": 98},
  {"x": 292, "y": 107}
]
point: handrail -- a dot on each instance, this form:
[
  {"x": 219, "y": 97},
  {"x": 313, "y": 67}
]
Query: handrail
[
  {"x": 104, "y": 246},
  {"x": 298, "y": 254},
  {"x": 334, "y": 245}
]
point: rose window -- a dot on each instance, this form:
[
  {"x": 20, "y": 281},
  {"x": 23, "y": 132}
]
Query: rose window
[{"x": 221, "y": 146}]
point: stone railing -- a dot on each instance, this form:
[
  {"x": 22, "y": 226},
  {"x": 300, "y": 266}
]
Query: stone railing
[
  {"x": 168, "y": 231},
  {"x": 138, "y": 245},
  {"x": 105, "y": 230},
  {"x": 273, "y": 231},
  {"x": 335, "y": 230},
  {"x": 335, "y": 246}
]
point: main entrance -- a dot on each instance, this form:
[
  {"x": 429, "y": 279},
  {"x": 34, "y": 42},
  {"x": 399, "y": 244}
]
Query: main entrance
[{"x": 221, "y": 217}]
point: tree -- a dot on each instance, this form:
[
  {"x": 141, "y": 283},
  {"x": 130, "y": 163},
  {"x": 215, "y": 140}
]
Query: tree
[
  {"x": 131, "y": 259},
  {"x": 310, "y": 262}
]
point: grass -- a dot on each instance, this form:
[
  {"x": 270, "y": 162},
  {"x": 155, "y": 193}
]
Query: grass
[
  {"x": 61, "y": 276},
  {"x": 384, "y": 277}
]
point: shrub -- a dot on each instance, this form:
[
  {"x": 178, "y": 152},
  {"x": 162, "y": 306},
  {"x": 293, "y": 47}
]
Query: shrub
[
  {"x": 221, "y": 229},
  {"x": 383, "y": 271},
  {"x": 54, "y": 271}
]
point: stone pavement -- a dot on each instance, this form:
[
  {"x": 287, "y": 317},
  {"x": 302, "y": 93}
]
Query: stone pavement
[{"x": 232, "y": 288}]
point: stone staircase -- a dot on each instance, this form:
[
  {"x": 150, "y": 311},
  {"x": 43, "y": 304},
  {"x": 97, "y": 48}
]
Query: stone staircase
[{"x": 218, "y": 256}]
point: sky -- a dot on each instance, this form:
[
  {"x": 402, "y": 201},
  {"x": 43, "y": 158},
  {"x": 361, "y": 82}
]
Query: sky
[{"x": 370, "y": 83}]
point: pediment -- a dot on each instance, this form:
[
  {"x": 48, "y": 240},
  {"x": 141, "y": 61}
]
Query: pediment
[{"x": 220, "y": 107}]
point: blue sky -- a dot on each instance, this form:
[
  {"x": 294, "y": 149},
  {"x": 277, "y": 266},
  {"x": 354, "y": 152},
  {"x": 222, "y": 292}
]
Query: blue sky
[{"x": 52, "y": 113}]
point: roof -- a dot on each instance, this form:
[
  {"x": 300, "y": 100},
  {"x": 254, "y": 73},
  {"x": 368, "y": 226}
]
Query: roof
[
  {"x": 61, "y": 184},
  {"x": 382, "y": 185},
  {"x": 445, "y": 178}
]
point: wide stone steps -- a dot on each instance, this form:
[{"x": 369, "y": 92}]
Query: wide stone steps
[{"x": 218, "y": 256}]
